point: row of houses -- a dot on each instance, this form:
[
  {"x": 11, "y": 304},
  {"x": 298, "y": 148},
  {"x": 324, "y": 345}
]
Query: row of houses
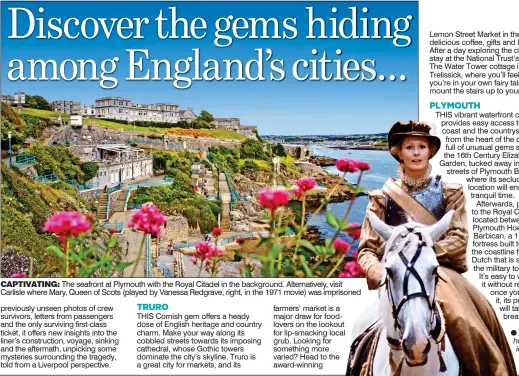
[
  {"x": 124, "y": 109},
  {"x": 13, "y": 100}
]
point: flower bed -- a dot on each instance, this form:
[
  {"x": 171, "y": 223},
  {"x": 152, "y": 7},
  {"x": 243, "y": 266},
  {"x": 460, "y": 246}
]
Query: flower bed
[{"x": 190, "y": 133}]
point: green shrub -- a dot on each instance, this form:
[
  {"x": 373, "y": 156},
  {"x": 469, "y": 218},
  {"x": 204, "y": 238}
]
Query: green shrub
[
  {"x": 34, "y": 125},
  {"x": 249, "y": 166},
  {"x": 252, "y": 149},
  {"x": 18, "y": 231},
  {"x": 90, "y": 170}
]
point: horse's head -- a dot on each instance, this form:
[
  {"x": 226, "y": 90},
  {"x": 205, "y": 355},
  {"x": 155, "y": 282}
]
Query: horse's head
[{"x": 410, "y": 282}]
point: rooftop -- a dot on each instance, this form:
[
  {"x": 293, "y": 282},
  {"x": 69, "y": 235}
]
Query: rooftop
[{"x": 119, "y": 148}]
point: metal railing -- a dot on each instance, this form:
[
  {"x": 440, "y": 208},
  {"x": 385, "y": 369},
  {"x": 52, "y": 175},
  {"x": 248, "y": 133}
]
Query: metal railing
[
  {"x": 24, "y": 160},
  {"x": 232, "y": 239},
  {"x": 152, "y": 142},
  {"x": 84, "y": 187},
  {"x": 46, "y": 178},
  {"x": 164, "y": 269},
  {"x": 148, "y": 255},
  {"x": 115, "y": 188},
  {"x": 220, "y": 242},
  {"x": 117, "y": 225},
  {"x": 235, "y": 195}
]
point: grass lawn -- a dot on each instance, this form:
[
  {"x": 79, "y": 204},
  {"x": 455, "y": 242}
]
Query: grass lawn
[
  {"x": 223, "y": 134},
  {"x": 44, "y": 113}
]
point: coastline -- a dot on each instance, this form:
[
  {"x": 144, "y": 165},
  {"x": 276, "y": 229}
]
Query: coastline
[{"x": 380, "y": 148}]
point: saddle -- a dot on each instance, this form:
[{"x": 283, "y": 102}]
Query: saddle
[{"x": 362, "y": 351}]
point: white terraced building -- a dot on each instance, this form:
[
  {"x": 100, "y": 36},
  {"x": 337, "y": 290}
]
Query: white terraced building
[
  {"x": 123, "y": 109},
  {"x": 118, "y": 163}
]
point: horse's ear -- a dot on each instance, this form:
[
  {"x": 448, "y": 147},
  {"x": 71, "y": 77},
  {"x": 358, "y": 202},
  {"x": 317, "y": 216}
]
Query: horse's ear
[
  {"x": 439, "y": 228},
  {"x": 380, "y": 227}
]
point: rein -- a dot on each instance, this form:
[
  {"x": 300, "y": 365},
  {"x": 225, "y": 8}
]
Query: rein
[{"x": 437, "y": 330}]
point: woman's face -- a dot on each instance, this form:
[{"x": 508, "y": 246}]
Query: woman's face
[{"x": 415, "y": 153}]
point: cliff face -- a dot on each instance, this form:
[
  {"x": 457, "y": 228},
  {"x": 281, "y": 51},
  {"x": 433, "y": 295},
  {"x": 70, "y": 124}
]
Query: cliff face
[
  {"x": 26, "y": 205},
  {"x": 344, "y": 191},
  {"x": 322, "y": 161}
]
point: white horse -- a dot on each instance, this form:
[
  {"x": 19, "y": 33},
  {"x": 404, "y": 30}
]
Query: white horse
[{"x": 413, "y": 339}]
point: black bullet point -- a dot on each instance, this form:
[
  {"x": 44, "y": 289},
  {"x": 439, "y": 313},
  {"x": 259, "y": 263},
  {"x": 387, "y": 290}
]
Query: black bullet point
[{"x": 514, "y": 332}]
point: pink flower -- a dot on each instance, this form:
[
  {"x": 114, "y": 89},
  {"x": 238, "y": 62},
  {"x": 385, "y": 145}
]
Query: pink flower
[
  {"x": 148, "y": 219},
  {"x": 273, "y": 199},
  {"x": 354, "y": 230},
  {"x": 352, "y": 269},
  {"x": 217, "y": 252},
  {"x": 18, "y": 275},
  {"x": 347, "y": 165},
  {"x": 67, "y": 223},
  {"x": 206, "y": 251},
  {"x": 203, "y": 250},
  {"x": 363, "y": 166},
  {"x": 91, "y": 218},
  {"x": 341, "y": 247},
  {"x": 305, "y": 184},
  {"x": 240, "y": 241},
  {"x": 298, "y": 192},
  {"x": 217, "y": 231}
]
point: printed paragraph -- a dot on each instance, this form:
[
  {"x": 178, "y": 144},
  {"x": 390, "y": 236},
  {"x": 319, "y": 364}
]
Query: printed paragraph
[
  {"x": 194, "y": 341},
  {"x": 303, "y": 335},
  {"x": 57, "y": 337},
  {"x": 483, "y": 147},
  {"x": 160, "y": 329},
  {"x": 475, "y": 62}
]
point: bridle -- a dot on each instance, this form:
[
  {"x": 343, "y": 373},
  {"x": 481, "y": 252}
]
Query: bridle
[{"x": 436, "y": 331}]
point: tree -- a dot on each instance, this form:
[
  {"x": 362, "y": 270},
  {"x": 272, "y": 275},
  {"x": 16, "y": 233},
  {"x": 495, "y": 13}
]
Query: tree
[
  {"x": 41, "y": 103},
  {"x": 252, "y": 149},
  {"x": 90, "y": 169},
  {"x": 203, "y": 124},
  {"x": 279, "y": 150},
  {"x": 30, "y": 101},
  {"x": 206, "y": 116}
]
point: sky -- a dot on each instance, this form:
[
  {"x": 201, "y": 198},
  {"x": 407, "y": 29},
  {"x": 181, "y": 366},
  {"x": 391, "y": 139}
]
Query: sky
[{"x": 286, "y": 107}]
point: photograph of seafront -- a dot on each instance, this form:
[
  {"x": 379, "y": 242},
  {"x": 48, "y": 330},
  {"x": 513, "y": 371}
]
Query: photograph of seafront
[{"x": 228, "y": 178}]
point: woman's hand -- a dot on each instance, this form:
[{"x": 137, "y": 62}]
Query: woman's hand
[{"x": 374, "y": 275}]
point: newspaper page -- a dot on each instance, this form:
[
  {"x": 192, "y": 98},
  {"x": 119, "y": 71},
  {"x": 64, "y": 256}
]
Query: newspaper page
[{"x": 259, "y": 188}]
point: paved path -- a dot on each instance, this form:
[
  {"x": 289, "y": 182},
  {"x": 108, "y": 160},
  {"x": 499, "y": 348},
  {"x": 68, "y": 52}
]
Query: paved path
[
  {"x": 210, "y": 183},
  {"x": 225, "y": 195},
  {"x": 225, "y": 268},
  {"x": 130, "y": 240}
]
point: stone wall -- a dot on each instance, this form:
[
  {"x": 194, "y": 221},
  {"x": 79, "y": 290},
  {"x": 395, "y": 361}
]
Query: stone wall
[
  {"x": 298, "y": 151},
  {"x": 177, "y": 230},
  {"x": 90, "y": 194},
  {"x": 113, "y": 199},
  {"x": 246, "y": 132},
  {"x": 99, "y": 135}
]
